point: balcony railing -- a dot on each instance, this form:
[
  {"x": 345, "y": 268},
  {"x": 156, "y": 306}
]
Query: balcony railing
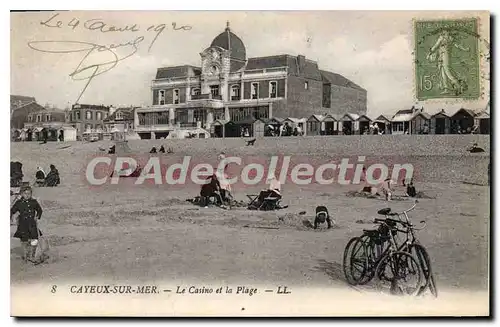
[
  {"x": 235, "y": 98},
  {"x": 208, "y": 96}
]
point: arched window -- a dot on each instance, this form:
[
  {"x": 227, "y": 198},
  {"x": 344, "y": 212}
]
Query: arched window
[{"x": 196, "y": 91}]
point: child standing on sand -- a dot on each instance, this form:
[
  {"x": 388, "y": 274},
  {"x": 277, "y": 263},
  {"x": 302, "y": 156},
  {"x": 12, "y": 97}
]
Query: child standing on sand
[{"x": 27, "y": 228}]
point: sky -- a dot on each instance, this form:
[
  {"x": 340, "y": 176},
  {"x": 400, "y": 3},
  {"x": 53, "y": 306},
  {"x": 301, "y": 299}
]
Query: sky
[{"x": 371, "y": 48}]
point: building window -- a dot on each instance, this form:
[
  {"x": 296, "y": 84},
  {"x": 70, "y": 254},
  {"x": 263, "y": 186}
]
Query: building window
[
  {"x": 235, "y": 92},
  {"x": 199, "y": 115},
  {"x": 119, "y": 115},
  {"x": 306, "y": 85},
  {"x": 106, "y": 115},
  {"x": 30, "y": 118},
  {"x": 219, "y": 114},
  {"x": 181, "y": 116},
  {"x": 88, "y": 127},
  {"x": 77, "y": 114},
  {"x": 196, "y": 91},
  {"x": 255, "y": 91},
  {"x": 214, "y": 90},
  {"x": 38, "y": 118},
  {"x": 99, "y": 115},
  {"x": 161, "y": 97},
  {"x": 88, "y": 115},
  {"x": 142, "y": 118},
  {"x": 398, "y": 127},
  {"x": 176, "y": 97},
  {"x": 273, "y": 89}
]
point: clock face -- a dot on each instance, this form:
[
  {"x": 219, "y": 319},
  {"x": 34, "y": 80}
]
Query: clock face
[{"x": 215, "y": 55}]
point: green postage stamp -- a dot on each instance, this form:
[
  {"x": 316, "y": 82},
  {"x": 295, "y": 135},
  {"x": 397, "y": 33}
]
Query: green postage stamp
[{"x": 447, "y": 59}]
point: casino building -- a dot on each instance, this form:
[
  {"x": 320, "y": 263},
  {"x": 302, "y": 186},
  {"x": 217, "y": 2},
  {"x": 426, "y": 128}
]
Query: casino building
[{"x": 229, "y": 87}]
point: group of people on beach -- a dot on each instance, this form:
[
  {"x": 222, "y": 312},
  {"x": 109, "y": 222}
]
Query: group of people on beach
[
  {"x": 218, "y": 183},
  {"x": 51, "y": 179}
]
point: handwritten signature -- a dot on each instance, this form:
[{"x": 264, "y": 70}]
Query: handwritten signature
[{"x": 88, "y": 71}]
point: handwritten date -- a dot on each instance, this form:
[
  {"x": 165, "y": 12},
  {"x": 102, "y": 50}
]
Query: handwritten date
[{"x": 88, "y": 69}]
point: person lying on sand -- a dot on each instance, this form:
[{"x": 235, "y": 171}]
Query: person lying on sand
[{"x": 475, "y": 149}]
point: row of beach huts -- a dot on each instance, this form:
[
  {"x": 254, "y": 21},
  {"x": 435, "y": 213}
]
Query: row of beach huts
[{"x": 409, "y": 121}]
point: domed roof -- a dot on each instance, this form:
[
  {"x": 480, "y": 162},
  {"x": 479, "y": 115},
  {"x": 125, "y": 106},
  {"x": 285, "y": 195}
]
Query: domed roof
[{"x": 230, "y": 41}]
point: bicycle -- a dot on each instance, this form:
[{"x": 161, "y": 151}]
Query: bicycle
[{"x": 370, "y": 251}]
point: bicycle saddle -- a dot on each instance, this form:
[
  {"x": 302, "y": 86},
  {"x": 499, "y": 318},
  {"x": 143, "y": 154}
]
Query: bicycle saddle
[
  {"x": 384, "y": 211},
  {"x": 370, "y": 232}
]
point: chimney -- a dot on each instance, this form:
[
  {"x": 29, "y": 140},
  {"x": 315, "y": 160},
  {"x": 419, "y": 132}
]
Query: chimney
[{"x": 302, "y": 63}]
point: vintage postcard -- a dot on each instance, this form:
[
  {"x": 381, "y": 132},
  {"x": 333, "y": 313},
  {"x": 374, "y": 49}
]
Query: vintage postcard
[{"x": 245, "y": 164}]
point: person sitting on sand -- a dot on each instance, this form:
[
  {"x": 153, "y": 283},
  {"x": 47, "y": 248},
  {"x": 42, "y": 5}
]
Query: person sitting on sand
[
  {"x": 112, "y": 149},
  {"x": 162, "y": 149},
  {"x": 27, "y": 230},
  {"x": 274, "y": 191},
  {"x": 411, "y": 190},
  {"x": 207, "y": 190},
  {"x": 387, "y": 188},
  {"x": 224, "y": 185},
  {"x": 52, "y": 178},
  {"x": 39, "y": 177},
  {"x": 153, "y": 150}
]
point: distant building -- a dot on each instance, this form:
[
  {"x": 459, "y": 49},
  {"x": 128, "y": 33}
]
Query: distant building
[
  {"x": 231, "y": 87},
  {"x": 120, "y": 121},
  {"x": 88, "y": 120},
  {"x": 47, "y": 124},
  {"x": 20, "y": 108},
  {"x": 17, "y": 101}
]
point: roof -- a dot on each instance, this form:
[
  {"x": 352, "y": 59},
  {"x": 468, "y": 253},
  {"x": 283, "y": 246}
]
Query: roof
[
  {"x": 221, "y": 121},
  {"x": 310, "y": 69},
  {"x": 177, "y": 71},
  {"x": 351, "y": 116},
  {"x": 423, "y": 114},
  {"x": 364, "y": 116},
  {"x": 483, "y": 115},
  {"x": 442, "y": 112},
  {"x": 248, "y": 121},
  {"x": 296, "y": 120},
  {"x": 382, "y": 118},
  {"x": 317, "y": 117},
  {"x": 17, "y": 101},
  {"x": 127, "y": 114},
  {"x": 402, "y": 117},
  {"x": 230, "y": 41},
  {"x": 330, "y": 116},
  {"x": 467, "y": 111},
  {"x": 337, "y": 79}
]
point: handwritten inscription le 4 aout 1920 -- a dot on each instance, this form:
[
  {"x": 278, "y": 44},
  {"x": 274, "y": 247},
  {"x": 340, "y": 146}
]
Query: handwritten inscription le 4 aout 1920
[
  {"x": 88, "y": 71},
  {"x": 97, "y": 24}
]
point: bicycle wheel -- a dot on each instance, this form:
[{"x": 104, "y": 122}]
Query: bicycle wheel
[
  {"x": 353, "y": 264},
  {"x": 419, "y": 252},
  {"x": 402, "y": 271},
  {"x": 373, "y": 251}
]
